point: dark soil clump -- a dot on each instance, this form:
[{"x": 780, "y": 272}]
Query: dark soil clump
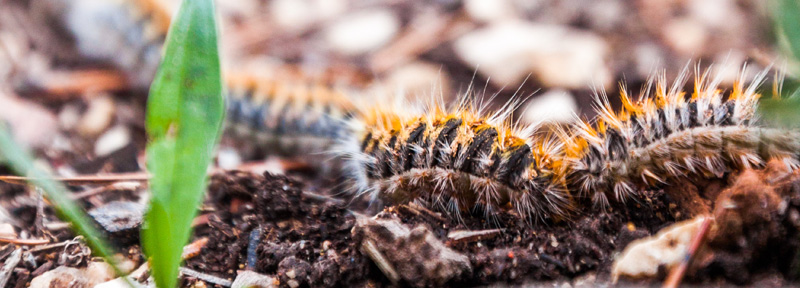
[
  {"x": 308, "y": 239},
  {"x": 297, "y": 236}
]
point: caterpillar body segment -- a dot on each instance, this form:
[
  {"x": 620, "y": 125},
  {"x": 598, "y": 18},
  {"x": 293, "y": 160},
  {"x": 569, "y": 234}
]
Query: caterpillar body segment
[
  {"x": 667, "y": 135},
  {"x": 458, "y": 160},
  {"x": 287, "y": 118}
]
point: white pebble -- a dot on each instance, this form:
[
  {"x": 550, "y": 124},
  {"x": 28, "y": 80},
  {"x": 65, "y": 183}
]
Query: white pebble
[
  {"x": 252, "y": 279},
  {"x": 292, "y": 15},
  {"x": 362, "y": 31},
  {"x": 114, "y": 139},
  {"x": 98, "y": 116},
  {"x": 228, "y": 158},
  {"x": 556, "y": 106},
  {"x": 489, "y": 10}
]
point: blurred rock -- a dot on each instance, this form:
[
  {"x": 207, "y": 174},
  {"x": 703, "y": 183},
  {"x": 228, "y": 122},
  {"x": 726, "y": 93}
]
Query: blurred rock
[
  {"x": 362, "y": 31},
  {"x": 298, "y": 16},
  {"x": 31, "y": 124},
  {"x": 293, "y": 15},
  {"x": 63, "y": 276},
  {"x": 69, "y": 116},
  {"x": 605, "y": 15},
  {"x": 419, "y": 81},
  {"x": 250, "y": 279},
  {"x": 506, "y": 52},
  {"x": 121, "y": 220},
  {"x": 68, "y": 277},
  {"x": 715, "y": 13},
  {"x": 132, "y": 279},
  {"x": 490, "y": 10},
  {"x": 114, "y": 139},
  {"x": 556, "y": 106},
  {"x": 7, "y": 231},
  {"x": 647, "y": 57},
  {"x": 228, "y": 158},
  {"x": 98, "y": 116},
  {"x": 685, "y": 35}
]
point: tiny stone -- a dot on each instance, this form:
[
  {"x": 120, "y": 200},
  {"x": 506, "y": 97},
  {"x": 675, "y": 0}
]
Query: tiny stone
[
  {"x": 362, "y": 31},
  {"x": 252, "y": 279},
  {"x": 119, "y": 219},
  {"x": 7, "y": 230},
  {"x": 98, "y": 116},
  {"x": 114, "y": 139}
]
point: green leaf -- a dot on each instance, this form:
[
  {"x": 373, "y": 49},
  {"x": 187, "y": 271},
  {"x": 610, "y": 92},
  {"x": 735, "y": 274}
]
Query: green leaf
[
  {"x": 22, "y": 164},
  {"x": 786, "y": 15},
  {"x": 184, "y": 119}
]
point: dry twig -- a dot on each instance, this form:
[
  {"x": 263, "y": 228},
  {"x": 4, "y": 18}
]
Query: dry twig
[{"x": 676, "y": 275}]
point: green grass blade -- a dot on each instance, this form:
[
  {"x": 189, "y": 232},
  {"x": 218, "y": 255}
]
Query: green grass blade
[
  {"x": 22, "y": 164},
  {"x": 786, "y": 14},
  {"x": 784, "y": 110},
  {"x": 184, "y": 119}
]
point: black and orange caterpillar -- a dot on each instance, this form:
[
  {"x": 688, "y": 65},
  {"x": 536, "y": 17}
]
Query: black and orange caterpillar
[
  {"x": 458, "y": 159},
  {"x": 462, "y": 159},
  {"x": 290, "y": 118},
  {"x": 669, "y": 134}
]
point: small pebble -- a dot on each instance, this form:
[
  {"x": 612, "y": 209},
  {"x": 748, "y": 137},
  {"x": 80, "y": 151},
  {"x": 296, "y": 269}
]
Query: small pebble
[
  {"x": 119, "y": 218},
  {"x": 362, "y": 31},
  {"x": 114, "y": 139},
  {"x": 97, "y": 117},
  {"x": 555, "y": 106},
  {"x": 252, "y": 279},
  {"x": 7, "y": 231},
  {"x": 490, "y": 10}
]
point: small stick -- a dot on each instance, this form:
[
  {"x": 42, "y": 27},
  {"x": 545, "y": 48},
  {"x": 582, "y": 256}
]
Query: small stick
[
  {"x": 120, "y": 186},
  {"x": 205, "y": 277},
  {"x": 322, "y": 198},
  {"x": 38, "y": 222},
  {"x": 84, "y": 179},
  {"x": 194, "y": 248},
  {"x": 61, "y": 85},
  {"x": 11, "y": 262},
  {"x": 27, "y": 242},
  {"x": 48, "y": 247},
  {"x": 676, "y": 275}
]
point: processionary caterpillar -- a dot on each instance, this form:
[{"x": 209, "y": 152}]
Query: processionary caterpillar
[
  {"x": 290, "y": 118},
  {"x": 667, "y": 134},
  {"x": 463, "y": 159},
  {"x": 458, "y": 159}
]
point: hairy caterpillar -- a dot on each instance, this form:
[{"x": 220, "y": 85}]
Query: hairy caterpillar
[
  {"x": 665, "y": 135},
  {"x": 457, "y": 159},
  {"x": 287, "y": 117}
]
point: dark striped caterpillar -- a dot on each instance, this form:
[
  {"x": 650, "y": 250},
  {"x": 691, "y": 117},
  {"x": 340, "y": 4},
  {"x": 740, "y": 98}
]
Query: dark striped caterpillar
[
  {"x": 289, "y": 118},
  {"x": 665, "y": 135},
  {"x": 461, "y": 159},
  {"x": 287, "y": 115},
  {"x": 458, "y": 160}
]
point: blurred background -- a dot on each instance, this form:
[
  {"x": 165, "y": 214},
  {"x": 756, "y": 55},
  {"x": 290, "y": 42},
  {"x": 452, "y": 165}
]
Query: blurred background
[{"x": 75, "y": 73}]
